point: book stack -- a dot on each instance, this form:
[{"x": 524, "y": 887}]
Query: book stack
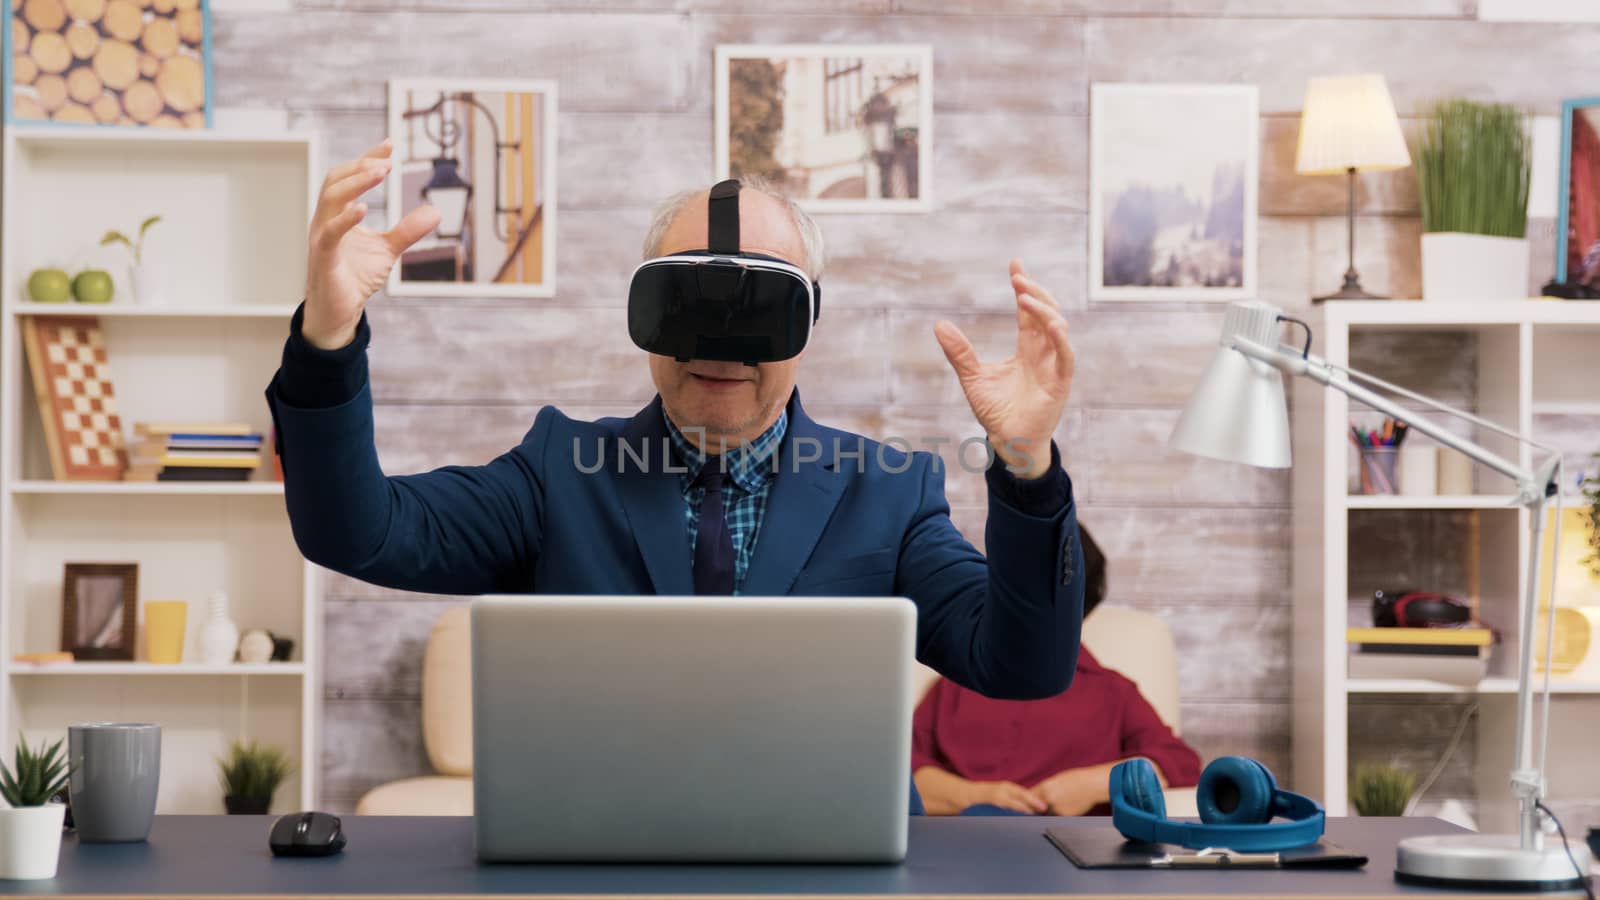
[
  {"x": 193, "y": 452},
  {"x": 1457, "y": 656}
]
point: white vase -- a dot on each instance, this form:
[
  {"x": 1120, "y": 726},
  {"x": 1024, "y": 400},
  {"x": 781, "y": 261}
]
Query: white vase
[
  {"x": 30, "y": 841},
  {"x": 1472, "y": 268},
  {"x": 219, "y": 637},
  {"x": 148, "y": 283}
]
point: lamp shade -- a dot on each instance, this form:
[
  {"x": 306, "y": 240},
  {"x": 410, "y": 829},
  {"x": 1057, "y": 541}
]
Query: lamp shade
[
  {"x": 1348, "y": 122},
  {"x": 1238, "y": 412}
]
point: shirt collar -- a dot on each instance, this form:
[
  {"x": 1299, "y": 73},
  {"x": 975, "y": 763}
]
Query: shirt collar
[{"x": 749, "y": 465}]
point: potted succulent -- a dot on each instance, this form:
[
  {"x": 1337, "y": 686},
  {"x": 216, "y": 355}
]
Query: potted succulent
[
  {"x": 1381, "y": 790},
  {"x": 250, "y": 775},
  {"x": 30, "y": 827},
  {"x": 1472, "y": 172},
  {"x": 143, "y": 278}
]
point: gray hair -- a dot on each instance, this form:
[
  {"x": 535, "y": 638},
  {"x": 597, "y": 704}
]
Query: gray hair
[{"x": 810, "y": 233}]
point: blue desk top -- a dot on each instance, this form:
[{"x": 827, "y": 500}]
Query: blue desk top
[{"x": 405, "y": 856}]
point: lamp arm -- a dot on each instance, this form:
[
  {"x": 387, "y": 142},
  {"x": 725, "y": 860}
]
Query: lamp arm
[
  {"x": 1534, "y": 488},
  {"x": 1440, "y": 406},
  {"x": 1530, "y": 486}
]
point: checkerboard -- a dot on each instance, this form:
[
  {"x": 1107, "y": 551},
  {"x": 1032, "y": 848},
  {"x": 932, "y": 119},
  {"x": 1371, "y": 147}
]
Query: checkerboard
[{"x": 68, "y": 354}]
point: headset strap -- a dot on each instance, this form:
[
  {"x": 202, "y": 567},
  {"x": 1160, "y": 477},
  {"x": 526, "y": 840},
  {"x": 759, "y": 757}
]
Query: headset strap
[{"x": 724, "y": 215}]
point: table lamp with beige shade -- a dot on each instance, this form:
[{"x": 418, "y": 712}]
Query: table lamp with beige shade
[{"x": 1348, "y": 125}]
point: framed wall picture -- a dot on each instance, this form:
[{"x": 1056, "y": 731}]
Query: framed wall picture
[
  {"x": 1172, "y": 191},
  {"x": 109, "y": 63},
  {"x": 1578, "y": 231},
  {"x": 99, "y": 611},
  {"x": 484, "y": 153},
  {"x": 845, "y": 128}
]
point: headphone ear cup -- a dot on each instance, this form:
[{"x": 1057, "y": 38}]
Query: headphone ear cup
[
  {"x": 1234, "y": 790},
  {"x": 1142, "y": 788}
]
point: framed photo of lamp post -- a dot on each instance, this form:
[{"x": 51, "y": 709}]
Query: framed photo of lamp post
[
  {"x": 1173, "y": 172},
  {"x": 99, "y": 611},
  {"x": 1578, "y": 227},
  {"x": 843, "y": 127},
  {"x": 483, "y": 152}
]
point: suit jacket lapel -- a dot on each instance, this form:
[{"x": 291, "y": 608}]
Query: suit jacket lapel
[
  {"x": 653, "y": 500},
  {"x": 801, "y": 503}
]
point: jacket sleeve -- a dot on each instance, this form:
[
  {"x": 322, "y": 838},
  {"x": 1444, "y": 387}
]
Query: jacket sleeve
[
  {"x": 455, "y": 530},
  {"x": 1007, "y": 627}
]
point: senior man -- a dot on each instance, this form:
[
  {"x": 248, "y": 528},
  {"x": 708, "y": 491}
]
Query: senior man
[{"x": 731, "y": 501}]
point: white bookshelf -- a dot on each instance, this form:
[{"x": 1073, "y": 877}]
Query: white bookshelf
[
  {"x": 151, "y": 488},
  {"x": 234, "y": 208},
  {"x": 160, "y": 311},
  {"x": 1535, "y": 357}
]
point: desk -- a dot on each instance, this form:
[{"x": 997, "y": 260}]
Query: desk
[{"x": 433, "y": 857}]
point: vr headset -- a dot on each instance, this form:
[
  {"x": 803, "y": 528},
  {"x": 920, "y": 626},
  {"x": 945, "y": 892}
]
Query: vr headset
[
  {"x": 719, "y": 303},
  {"x": 1237, "y": 798}
]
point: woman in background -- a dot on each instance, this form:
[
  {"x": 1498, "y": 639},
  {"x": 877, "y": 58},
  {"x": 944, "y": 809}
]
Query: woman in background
[{"x": 971, "y": 755}]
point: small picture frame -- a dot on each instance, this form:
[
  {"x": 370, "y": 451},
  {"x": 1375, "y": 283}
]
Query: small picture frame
[
  {"x": 99, "y": 610},
  {"x": 845, "y": 128},
  {"x": 483, "y": 151},
  {"x": 1173, "y": 172},
  {"x": 1578, "y": 224}
]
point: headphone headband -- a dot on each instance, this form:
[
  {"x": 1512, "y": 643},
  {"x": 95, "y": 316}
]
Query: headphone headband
[{"x": 723, "y": 213}]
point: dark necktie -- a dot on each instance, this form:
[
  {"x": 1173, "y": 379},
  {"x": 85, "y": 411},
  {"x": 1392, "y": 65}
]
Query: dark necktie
[{"x": 713, "y": 545}]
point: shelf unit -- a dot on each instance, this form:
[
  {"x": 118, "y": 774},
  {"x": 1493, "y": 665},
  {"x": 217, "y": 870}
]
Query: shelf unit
[
  {"x": 1534, "y": 358},
  {"x": 234, "y": 208}
]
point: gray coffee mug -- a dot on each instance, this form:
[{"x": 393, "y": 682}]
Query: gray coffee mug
[{"x": 113, "y": 788}]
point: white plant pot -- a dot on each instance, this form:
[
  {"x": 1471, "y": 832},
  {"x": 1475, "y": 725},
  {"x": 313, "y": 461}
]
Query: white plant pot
[
  {"x": 30, "y": 841},
  {"x": 1472, "y": 268},
  {"x": 147, "y": 283}
]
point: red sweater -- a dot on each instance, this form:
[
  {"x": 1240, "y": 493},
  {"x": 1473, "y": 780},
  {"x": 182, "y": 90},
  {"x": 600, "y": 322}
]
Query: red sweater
[{"x": 1101, "y": 718}]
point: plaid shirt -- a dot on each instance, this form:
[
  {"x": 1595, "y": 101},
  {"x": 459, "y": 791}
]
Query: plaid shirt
[{"x": 746, "y": 503}]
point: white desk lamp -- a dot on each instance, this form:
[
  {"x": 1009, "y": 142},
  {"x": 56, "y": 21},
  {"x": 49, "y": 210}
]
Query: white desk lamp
[{"x": 1238, "y": 414}]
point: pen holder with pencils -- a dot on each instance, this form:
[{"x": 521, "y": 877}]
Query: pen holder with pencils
[
  {"x": 1379, "y": 450},
  {"x": 1378, "y": 470}
]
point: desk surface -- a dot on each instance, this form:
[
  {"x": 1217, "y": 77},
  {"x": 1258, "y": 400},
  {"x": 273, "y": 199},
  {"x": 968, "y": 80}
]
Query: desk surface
[{"x": 433, "y": 857}]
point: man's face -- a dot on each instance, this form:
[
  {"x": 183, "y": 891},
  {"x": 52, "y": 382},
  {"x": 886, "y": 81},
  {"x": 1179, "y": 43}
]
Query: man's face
[{"x": 733, "y": 402}]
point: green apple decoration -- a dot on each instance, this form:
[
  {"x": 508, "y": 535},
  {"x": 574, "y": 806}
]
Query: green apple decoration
[
  {"x": 49, "y": 286},
  {"x": 92, "y": 286}
]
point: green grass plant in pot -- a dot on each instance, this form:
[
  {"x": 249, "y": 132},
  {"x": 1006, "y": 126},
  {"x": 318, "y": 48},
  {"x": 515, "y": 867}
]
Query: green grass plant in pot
[
  {"x": 1381, "y": 790},
  {"x": 144, "y": 277},
  {"x": 1472, "y": 172},
  {"x": 250, "y": 775},
  {"x": 30, "y": 825}
]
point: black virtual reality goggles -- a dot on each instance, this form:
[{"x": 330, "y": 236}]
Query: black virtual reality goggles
[{"x": 719, "y": 303}]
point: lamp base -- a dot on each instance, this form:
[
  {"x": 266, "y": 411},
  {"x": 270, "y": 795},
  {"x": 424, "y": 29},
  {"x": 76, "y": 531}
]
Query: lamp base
[
  {"x": 1349, "y": 292},
  {"x": 1494, "y": 862}
]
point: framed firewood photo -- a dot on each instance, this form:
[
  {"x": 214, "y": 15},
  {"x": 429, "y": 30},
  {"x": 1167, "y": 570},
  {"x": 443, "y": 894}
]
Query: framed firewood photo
[{"x": 109, "y": 63}]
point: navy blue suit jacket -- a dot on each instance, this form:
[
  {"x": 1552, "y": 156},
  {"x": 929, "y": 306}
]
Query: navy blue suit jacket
[{"x": 534, "y": 520}]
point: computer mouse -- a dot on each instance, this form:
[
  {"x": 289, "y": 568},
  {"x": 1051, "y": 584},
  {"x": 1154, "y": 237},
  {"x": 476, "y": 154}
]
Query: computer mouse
[{"x": 306, "y": 834}]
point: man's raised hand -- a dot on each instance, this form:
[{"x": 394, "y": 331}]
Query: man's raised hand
[{"x": 345, "y": 262}]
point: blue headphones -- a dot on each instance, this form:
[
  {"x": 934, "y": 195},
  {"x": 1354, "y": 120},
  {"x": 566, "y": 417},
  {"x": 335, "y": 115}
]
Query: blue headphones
[{"x": 1238, "y": 798}]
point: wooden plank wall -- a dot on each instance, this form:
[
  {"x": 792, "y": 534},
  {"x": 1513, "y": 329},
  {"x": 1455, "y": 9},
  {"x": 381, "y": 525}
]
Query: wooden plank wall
[{"x": 1205, "y": 545}]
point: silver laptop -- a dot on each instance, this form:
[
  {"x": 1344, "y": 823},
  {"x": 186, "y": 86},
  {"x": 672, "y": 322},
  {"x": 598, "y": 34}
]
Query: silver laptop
[{"x": 675, "y": 729}]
